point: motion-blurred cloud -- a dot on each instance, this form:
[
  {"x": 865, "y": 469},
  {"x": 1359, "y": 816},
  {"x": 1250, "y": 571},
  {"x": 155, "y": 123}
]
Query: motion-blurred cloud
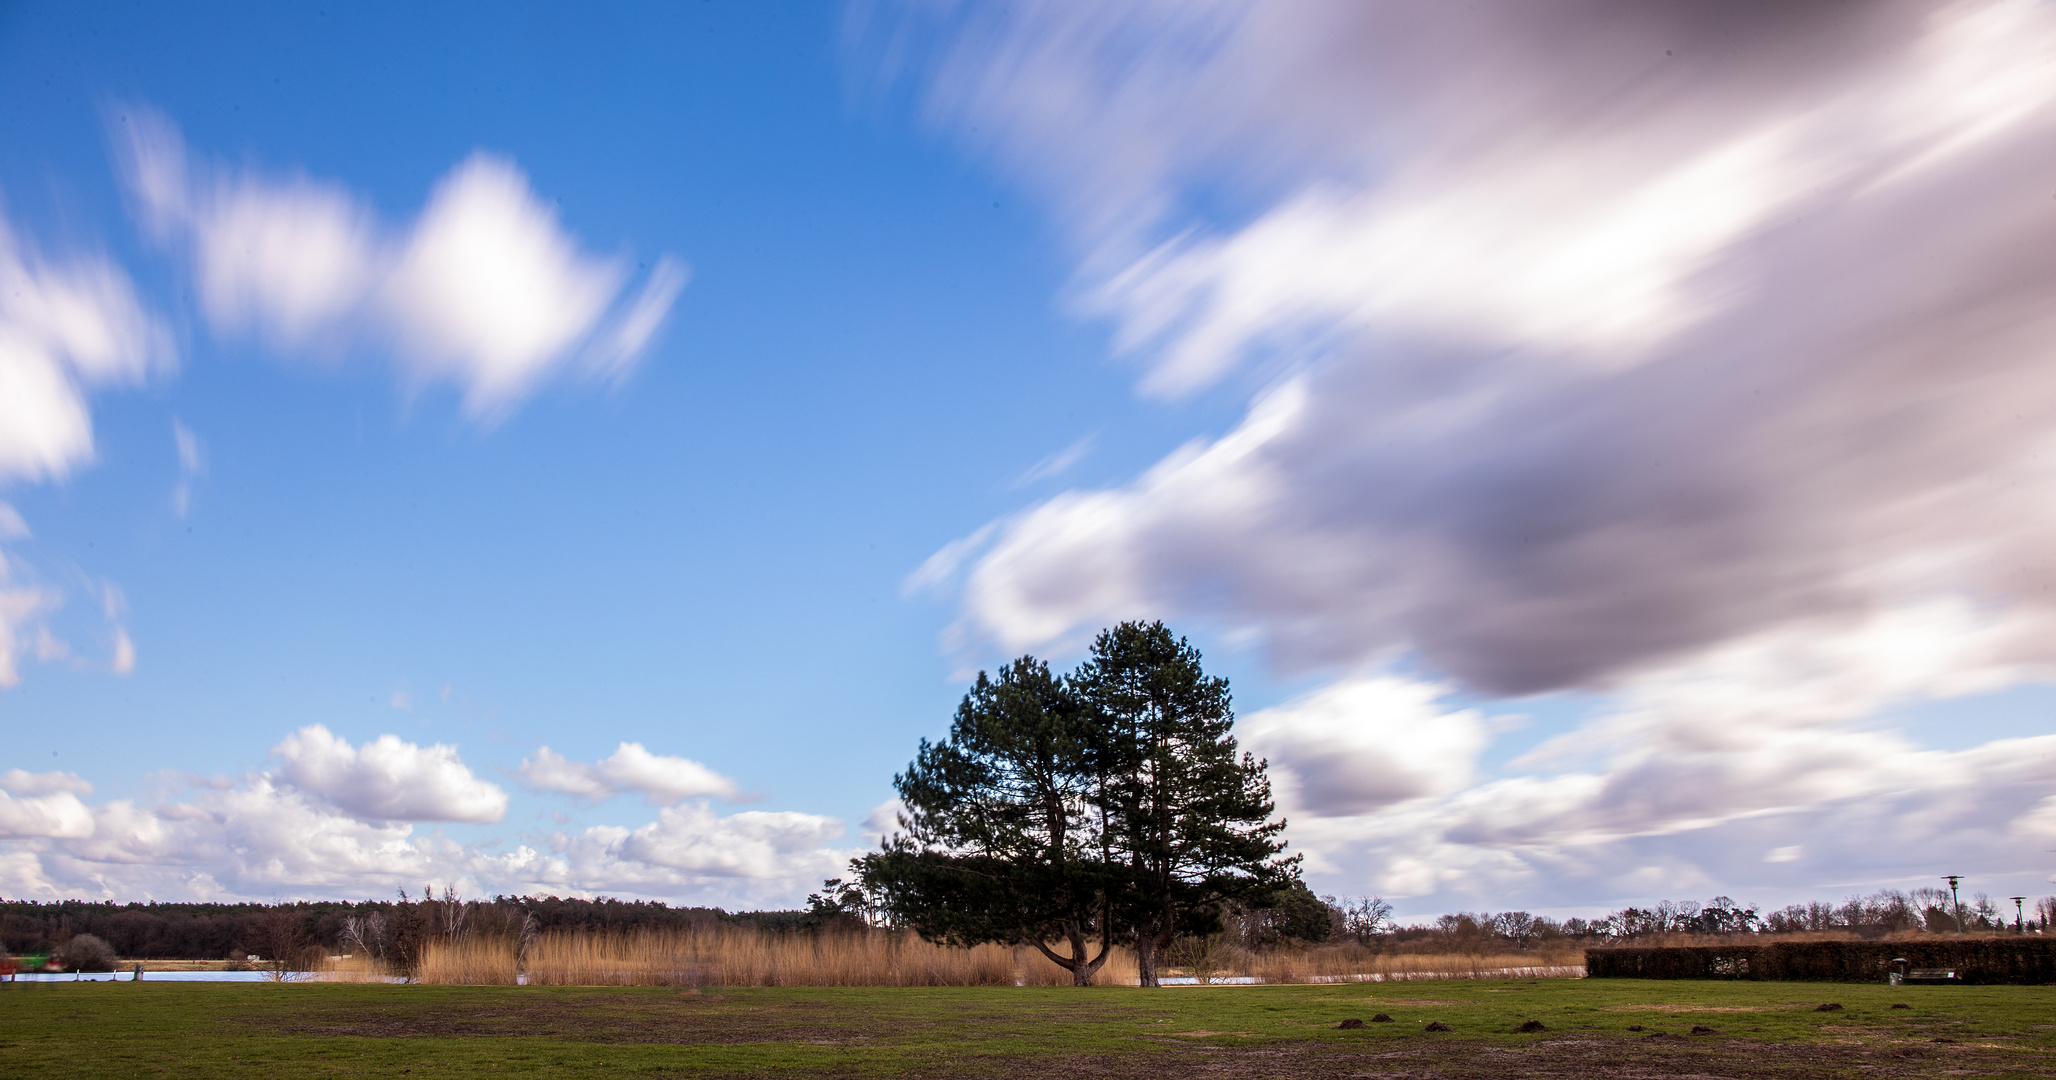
[
  {"x": 1690, "y": 353},
  {"x": 485, "y": 290}
]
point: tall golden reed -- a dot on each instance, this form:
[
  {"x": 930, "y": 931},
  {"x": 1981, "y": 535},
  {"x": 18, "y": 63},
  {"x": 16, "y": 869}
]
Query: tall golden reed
[
  {"x": 746, "y": 956},
  {"x": 355, "y": 968},
  {"x": 471, "y": 961},
  {"x": 1354, "y": 963}
]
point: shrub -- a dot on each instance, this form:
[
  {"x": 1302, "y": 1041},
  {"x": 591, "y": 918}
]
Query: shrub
[{"x": 85, "y": 952}]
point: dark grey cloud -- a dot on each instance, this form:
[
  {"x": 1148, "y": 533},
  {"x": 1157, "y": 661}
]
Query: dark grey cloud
[{"x": 1602, "y": 337}]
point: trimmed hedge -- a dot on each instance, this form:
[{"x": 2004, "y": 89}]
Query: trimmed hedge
[{"x": 2020, "y": 960}]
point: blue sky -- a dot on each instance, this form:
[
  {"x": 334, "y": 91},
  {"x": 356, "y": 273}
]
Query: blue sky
[{"x": 1448, "y": 425}]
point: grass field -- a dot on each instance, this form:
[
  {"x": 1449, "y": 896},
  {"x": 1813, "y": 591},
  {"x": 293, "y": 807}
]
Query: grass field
[{"x": 453, "y": 1032}]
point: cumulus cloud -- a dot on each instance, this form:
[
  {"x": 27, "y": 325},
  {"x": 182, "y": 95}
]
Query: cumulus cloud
[
  {"x": 60, "y": 815},
  {"x": 23, "y": 782},
  {"x": 661, "y": 779},
  {"x": 485, "y": 290},
  {"x": 250, "y": 839},
  {"x": 1774, "y": 811},
  {"x": 1871, "y": 807},
  {"x": 43, "y": 805},
  {"x": 1690, "y": 354},
  {"x": 884, "y": 819},
  {"x": 753, "y": 844},
  {"x": 1362, "y": 744},
  {"x": 388, "y": 779},
  {"x": 334, "y": 821}
]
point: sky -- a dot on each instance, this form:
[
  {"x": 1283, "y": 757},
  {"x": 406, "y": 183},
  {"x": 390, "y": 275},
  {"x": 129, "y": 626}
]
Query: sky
[{"x": 583, "y": 449}]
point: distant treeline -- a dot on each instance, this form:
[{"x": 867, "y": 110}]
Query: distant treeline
[
  {"x": 394, "y": 928},
  {"x": 1886, "y": 912},
  {"x": 233, "y": 931}
]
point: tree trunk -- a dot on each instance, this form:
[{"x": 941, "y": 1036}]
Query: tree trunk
[
  {"x": 1146, "y": 959},
  {"x": 1106, "y": 947},
  {"x": 1081, "y": 969}
]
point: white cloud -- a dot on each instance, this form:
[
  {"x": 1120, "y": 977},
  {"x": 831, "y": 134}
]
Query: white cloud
[
  {"x": 114, "y": 604},
  {"x": 488, "y": 292},
  {"x": 485, "y": 291},
  {"x": 285, "y": 259},
  {"x": 661, "y": 779},
  {"x": 616, "y": 354},
  {"x": 43, "y": 805},
  {"x": 751, "y": 844},
  {"x": 66, "y": 328},
  {"x": 57, "y": 814},
  {"x": 884, "y": 819},
  {"x": 22, "y": 607},
  {"x": 388, "y": 779},
  {"x": 270, "y": 835},
  {"x": 22, "y": 782},
  {"x": 1363, "y": 744},
  {"x": 26, "y": 606},
  {"x": 1686, "y": 804},
  {"x": 251, "y": 839},
  {"x": 1058, "y": 463}
]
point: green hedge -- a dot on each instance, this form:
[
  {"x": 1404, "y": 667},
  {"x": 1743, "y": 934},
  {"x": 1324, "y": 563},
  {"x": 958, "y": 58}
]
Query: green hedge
[{"x": 2026, "y": 960}]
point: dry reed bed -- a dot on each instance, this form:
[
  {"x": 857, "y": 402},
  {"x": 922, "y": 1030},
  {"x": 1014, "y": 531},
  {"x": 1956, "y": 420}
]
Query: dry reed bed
[
  {"x": 724, "y": 956},
  {"x": 1351, "y": 963}
]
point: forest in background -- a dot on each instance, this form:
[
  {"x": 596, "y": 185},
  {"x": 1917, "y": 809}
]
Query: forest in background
[{"x": 214, "y": 931}]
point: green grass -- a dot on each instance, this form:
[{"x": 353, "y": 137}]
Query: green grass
[{"x": 1764, "y": 1029}]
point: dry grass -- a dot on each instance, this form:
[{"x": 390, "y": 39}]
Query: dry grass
[
  {"x": 746, "y": 956},
  {"x": 750, "y": 957},
  {"x": 354, "y": 969},
  {"x": 471, "y": 961},
  {"x": 1354, "y": 963}
]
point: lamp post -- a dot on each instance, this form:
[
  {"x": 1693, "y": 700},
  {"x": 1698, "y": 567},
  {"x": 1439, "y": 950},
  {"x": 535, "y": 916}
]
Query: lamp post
[
  {"x": 1955, "y": 903},
  {"x": 2019, "y": 914}
]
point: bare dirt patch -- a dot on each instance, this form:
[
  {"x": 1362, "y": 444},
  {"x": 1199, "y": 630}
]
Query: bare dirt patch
[
  {"x": 1549, "y": 1059},
  {"x": 612, "y": 1017}
]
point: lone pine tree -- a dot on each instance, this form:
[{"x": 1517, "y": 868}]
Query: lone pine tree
[
  {"x": 1110, "y": 805},
  {"x": 1187, "y": 816}
]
